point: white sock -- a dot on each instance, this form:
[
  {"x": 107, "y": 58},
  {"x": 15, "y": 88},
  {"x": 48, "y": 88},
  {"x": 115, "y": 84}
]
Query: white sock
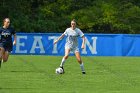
[
  {"x": 62, "y": 62},
  {"x": 82, "y": 67},
  {"x": 2, "y": 61}
]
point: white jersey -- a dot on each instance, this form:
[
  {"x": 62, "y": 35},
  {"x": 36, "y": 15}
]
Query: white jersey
[{"x": 72, "y": 37}]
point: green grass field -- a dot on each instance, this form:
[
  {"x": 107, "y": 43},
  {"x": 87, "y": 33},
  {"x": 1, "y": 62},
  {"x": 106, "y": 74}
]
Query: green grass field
[{"x": 36, "y": 74}]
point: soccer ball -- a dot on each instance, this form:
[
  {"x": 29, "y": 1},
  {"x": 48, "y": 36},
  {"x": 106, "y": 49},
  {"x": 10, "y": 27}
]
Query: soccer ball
[{"x": 59, "y": 71}]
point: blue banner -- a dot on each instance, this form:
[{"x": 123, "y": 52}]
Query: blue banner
[{"x": 96, "y": 44}]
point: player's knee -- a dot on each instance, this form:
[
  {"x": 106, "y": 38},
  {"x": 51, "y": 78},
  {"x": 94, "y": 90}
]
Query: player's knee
[{"x": 1, "y": 49}]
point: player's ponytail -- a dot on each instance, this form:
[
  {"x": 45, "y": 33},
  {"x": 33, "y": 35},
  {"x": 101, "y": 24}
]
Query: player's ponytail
[{"x": 73, "y": 20}]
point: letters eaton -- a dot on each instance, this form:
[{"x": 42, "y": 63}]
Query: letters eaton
[{"x": 43, "y": 44}]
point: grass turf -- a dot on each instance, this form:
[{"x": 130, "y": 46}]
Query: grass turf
[{"x": 36, "y": 74}]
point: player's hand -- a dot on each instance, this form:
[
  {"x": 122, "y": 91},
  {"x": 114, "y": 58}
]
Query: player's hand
[
  {"x": 14, "y": 43},
  {"x": 83, "y": 46},
  {"x": 55, "y": 42}
]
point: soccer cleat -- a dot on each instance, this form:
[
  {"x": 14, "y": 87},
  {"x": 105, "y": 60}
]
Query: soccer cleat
[
  {"x": 83, "y": 72},
  {"x": 63, "y": 69}
]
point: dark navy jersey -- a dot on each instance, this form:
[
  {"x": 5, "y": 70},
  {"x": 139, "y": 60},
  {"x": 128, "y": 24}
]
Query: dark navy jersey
[{"x": 6, "y": 34}]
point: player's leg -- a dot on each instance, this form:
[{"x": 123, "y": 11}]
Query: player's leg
[
  {"x": 78, "y": 57},
  {"x": 8, "y": 49},
  {"x": 1, "y": 54},
  {"x": 5, "y": 56},
  {"x": 67, "y": 51}
]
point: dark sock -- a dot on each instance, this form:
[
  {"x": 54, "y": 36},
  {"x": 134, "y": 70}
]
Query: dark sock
[{"x": 0, "y": 64}]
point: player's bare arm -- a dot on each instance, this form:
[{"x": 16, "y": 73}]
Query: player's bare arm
[
  {"x": 83, "y": 43},
  {"x": 15, "y": 39},
  {"x": 59, "y": 38}
]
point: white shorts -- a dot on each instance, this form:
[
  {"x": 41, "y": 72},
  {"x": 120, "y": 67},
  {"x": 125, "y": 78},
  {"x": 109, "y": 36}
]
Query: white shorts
[{"x": 74, "y": 50}]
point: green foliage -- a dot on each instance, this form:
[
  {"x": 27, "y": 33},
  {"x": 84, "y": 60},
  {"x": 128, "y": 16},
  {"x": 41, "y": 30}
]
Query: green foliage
[{"x": 93, "y": 16}]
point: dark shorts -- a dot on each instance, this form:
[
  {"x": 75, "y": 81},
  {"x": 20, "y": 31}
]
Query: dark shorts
[{"x": 7, "y": 46}]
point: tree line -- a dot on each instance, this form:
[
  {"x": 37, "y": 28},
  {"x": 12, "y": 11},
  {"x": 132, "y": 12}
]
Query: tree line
[{"x": 93, "y": 16}]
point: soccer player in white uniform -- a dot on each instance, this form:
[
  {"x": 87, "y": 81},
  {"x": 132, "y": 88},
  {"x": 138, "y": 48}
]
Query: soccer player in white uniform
[{"x": 72, "y": 34}]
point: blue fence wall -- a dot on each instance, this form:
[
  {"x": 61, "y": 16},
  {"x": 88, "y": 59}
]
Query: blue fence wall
[{"x": 96, "y": 44}]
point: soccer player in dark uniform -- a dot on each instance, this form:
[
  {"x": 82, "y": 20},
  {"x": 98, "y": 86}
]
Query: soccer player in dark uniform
[{"x": 6, "y": 43}]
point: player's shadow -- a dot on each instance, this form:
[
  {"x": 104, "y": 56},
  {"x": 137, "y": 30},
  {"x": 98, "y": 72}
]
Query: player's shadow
[
  {"x": 21, "y": 71},
  {"x": 30, "y": 71},
  {"x": 16, "y": 88}
]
